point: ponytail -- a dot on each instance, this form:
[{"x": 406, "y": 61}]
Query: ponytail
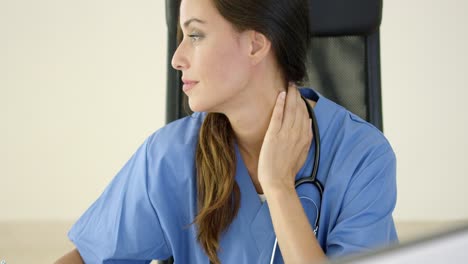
[{"x": 218, "y": 195}]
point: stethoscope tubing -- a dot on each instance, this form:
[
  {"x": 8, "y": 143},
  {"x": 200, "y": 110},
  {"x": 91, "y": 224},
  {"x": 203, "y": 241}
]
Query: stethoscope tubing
[{"x": 313, "y": 177}]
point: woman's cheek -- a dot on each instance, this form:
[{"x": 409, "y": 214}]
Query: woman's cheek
[{"x": 229, "y": 70}]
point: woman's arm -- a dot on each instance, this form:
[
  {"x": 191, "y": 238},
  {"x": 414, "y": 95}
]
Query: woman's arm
[
  {"x": 123, "y": 224},
  {"x": 295, "y": 235},
  {"x": 72, "y": 257},
  {"x": 284, "y": 151}
]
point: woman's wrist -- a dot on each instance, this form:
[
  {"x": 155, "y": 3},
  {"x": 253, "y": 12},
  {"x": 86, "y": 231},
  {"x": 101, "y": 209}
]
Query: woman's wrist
[{"x": 277, "y": 187}]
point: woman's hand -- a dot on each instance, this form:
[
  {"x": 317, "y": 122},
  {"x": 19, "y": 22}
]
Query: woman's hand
[{"x": 286, "y": 143}]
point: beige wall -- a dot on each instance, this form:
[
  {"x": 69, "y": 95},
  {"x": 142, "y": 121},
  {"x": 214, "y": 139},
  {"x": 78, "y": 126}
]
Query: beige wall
[
  {"x": 82, "y": 84},
  {"x": 424, "y": 55}
]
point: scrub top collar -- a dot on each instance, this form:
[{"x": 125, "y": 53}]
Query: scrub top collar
[{"x": 322, "y": 109}]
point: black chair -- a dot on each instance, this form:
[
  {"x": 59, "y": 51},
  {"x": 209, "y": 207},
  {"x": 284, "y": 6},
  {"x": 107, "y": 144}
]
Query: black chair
[{"x": 343, "y": 64}]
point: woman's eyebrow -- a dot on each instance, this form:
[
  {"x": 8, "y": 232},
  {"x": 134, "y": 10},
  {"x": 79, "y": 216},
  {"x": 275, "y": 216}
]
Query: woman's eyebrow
[{"x": 186, "y": 23}]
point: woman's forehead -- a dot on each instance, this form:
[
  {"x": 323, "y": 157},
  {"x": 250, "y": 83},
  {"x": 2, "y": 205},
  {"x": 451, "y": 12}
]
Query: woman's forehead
[{"x": 195, "y": 11}]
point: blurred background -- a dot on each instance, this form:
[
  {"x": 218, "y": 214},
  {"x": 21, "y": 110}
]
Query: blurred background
[{"x": 83, "y": 83}]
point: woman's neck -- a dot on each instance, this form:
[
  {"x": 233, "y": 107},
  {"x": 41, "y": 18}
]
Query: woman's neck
[{"x": 250, "y": 121}]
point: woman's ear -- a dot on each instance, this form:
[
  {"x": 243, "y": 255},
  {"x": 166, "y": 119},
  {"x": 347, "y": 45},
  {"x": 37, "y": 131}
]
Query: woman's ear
[{"x": 259, "y": 46}]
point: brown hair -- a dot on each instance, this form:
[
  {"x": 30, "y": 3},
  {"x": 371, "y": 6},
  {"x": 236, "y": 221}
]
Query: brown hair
[{"x": 286, "y": 24}]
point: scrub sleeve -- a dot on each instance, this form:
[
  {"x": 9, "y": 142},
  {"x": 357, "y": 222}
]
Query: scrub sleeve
[
  {"x": 365, "y": 220},
  {"x": 122, "y": 225}
]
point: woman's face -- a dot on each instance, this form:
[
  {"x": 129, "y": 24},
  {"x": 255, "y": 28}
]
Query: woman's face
[{"x": 213, "y": 55}]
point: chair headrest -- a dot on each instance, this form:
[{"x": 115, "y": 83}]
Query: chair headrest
[{"x": 345, "y": 17}]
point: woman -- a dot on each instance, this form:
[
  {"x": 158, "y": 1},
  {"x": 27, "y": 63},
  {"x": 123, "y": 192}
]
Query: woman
[{"x": 195, "y": 189}]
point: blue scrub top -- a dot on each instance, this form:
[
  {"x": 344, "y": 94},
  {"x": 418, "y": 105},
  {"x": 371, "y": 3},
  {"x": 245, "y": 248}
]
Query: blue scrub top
[{"x": 146, "y": 210}]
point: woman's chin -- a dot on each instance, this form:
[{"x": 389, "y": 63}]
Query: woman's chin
[
  {"x": 207, "y": 104},
  {"x": 197, "y": 107}
]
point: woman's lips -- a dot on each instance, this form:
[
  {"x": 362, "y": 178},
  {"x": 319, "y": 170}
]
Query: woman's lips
[{"x": 188, "y": 86}]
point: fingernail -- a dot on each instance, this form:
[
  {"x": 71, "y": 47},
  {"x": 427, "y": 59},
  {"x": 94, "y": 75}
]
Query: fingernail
[{"x": 282, "y": 95}]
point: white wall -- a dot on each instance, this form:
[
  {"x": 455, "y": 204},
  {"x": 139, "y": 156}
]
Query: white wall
[
  {"x": 424, "y": 55},
  {"x": 82, "y": 84}
]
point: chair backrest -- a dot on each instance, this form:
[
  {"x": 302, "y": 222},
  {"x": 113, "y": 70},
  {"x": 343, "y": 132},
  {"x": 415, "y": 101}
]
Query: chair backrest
[{"x": 343, "y": 62}]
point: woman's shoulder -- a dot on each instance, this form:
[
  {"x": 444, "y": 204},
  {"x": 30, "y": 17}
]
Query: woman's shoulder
[
  {"x": 351, "y": 144},
  {"x": 177, "y": 137},
  {"x": 354, "y": 154},
  {"x": 339, "y": 125},
  {"x": 348, "y": 128}
]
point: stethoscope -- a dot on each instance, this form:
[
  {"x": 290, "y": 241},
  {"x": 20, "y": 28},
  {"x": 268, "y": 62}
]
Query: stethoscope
[{"x": 313, "y": 177}]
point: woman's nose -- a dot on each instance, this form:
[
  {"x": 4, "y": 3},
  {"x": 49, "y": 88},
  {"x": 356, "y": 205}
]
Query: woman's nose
[{"x": 179, "y": 61}]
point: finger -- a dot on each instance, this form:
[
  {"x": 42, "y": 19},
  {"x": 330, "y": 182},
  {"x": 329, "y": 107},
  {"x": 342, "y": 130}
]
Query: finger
[
  {"x": 308, "y": 123},
  {"x": 290, "y": 108},
  {"x": 302, "y": 113},
  {"x": 277, "y": 115},
  {"x": 306, "y": 131}
]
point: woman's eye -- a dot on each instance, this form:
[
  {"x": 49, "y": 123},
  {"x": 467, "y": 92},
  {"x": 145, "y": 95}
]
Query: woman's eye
[{"x": 195, "y": 37}]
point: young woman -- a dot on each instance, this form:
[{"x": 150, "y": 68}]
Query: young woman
[{"x": 219, "y": 186}]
